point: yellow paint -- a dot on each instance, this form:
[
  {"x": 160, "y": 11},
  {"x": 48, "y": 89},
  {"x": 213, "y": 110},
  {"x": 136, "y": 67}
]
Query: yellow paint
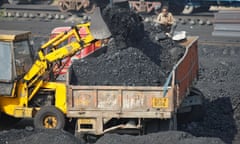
[
  {"x": 25, "y": 89},
  {"x": 160, "y": 102}
]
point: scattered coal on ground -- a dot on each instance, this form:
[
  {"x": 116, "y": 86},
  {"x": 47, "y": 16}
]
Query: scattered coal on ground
[
  {"x": 169, "y": 137},
  {"x": 219, "y": 81},
  {"x": 134, "y": 57},
  {"x": 37, "y": 136}
]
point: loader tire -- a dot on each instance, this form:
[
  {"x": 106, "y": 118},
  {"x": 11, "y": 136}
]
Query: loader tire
[{"x": 49, "y": 117}]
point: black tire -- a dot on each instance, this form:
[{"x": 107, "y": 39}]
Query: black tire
[{"x": 49, "y": 117}]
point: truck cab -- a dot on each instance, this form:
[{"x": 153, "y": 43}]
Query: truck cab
[{"x": 15, "y": 59}]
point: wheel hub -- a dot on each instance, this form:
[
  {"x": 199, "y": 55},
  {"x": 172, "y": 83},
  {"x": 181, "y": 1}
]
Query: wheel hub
[{"x": 50, "y": 122}]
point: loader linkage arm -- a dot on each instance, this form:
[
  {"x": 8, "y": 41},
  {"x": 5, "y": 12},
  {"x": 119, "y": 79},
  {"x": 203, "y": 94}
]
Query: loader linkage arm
[{"x": 43, "y": 65}]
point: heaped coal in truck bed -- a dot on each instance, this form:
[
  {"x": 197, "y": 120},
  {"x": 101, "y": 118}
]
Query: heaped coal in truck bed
[{"x": 133, "y": 57}]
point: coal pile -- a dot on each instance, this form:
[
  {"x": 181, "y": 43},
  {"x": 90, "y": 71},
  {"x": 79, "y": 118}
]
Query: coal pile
[
  {"x": 169, "y": 137},
  {"x": 134, "y": 57},
  {"x": 37, "y": 136},
  {"x": 219, "y": 82}
]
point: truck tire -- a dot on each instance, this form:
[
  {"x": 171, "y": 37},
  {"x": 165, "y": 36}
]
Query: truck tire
[
  {"x": 14, "y": 2},
  {"x": 49, "y": 117}
]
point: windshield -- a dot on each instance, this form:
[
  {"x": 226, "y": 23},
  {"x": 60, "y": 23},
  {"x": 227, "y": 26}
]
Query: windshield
[
  {"x": 23, "y": 59},
  {"x": 5, "y": 61}
]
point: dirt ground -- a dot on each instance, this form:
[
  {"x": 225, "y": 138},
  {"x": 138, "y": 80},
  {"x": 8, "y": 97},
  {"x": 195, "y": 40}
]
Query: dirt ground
[{"x": 219, "y": 82}]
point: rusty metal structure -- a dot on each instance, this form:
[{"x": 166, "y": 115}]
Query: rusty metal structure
[
  {"x": 88, "y": 6},
  {"x": 71, "y": 5},
  {"x": 144, "y": 6}
]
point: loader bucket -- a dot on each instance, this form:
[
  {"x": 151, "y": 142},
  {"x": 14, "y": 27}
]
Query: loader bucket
[{"x": 98, "y": 27}]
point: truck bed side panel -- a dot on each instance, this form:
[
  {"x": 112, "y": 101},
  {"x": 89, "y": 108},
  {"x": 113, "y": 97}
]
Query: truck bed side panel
[{"x": 187, "y": 69}]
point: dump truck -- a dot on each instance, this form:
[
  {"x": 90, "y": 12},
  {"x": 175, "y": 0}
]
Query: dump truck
[{"x": 136, "y": 109}]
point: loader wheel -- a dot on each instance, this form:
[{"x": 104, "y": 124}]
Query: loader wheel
[{"x": 49, "y": 118}]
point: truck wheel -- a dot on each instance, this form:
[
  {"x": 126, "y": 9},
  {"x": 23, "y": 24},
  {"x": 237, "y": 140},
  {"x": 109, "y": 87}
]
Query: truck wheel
[
  {"x": 14, "y": 2},
  {"x": 188, "y": 9},
  {"x": 49, "y": 117}
]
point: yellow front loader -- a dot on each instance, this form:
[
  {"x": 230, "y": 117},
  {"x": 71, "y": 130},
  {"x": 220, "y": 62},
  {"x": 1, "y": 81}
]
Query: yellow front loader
[{"x": 27, "y": 89}]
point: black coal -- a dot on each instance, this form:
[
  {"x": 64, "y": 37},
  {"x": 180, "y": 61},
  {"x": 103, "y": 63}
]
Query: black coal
[{"x": 133, "y": 57}]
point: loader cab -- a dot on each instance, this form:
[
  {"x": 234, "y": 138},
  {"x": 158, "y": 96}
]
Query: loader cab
[{"x": 16, "y": 58}]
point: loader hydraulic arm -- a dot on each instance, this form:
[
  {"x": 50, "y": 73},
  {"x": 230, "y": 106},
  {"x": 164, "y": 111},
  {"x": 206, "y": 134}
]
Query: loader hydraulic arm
[{"x": 43, "y": 65}]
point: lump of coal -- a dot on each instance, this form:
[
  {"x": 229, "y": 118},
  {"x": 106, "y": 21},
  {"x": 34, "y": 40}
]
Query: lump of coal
[
  {"x": 133, "y": 57},
  {"x": 126, "y": 67}
]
